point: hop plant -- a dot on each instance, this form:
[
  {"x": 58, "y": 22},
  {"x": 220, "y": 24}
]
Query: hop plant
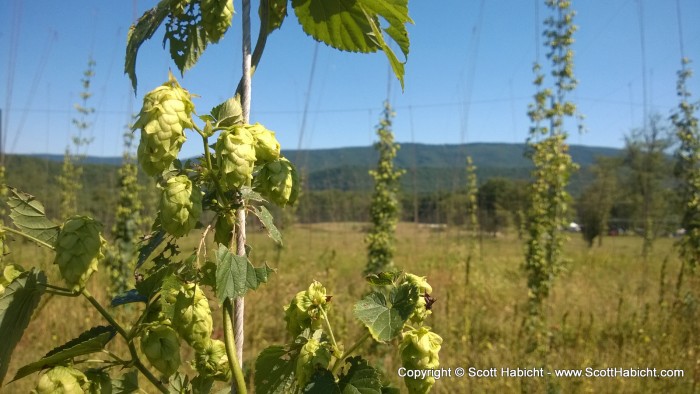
[
  {"x": 61, "y": 380},
  {"x": 9, "y": 273},
  {"x": 424, "y": 288},
  {"x": 278, "y": 181},
  {"x": 267, "y": 148},
  {"x": 303, "y": 311},
  {"x": 180, "y": 206},
  {"x": 79, "y": 247},
  {"x": 213, "y": 362},
  {"x": 166, "y": 113},
  {"x": 235, "y": 153},
  {"x": 216, "y": 15},
  {"x": 420, "y": 349},
  {"x": 313, "y": 355},
  {"x": 161, "y": 346},
  {"x": 192, "y": 317}
]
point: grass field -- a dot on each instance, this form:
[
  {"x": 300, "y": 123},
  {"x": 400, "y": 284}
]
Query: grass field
[{"x": 609, "y": 309}]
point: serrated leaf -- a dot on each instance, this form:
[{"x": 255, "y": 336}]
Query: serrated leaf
[
  {"x": 17, "y": 304},
  {"x": 360, "y": 378},
  {"x": 384, "y": 318},
  {"x": 91, "y": 341},
  {"x": 235, "y": 275},
  {"x": 277, "y": 11},
  {"x": 186, "y": 38},
  {"x": 382, "y": 278},
  {"x": 322, "y": 382},
  {"x": 127, "y": 384},
  {"x": 28, "y": 214},
  {"x": 144, "y": 28},
  {"x": 274, "y": 370},
  {"x": 150, "y": 285},
  {"x": 247, "y": 193},
  {"x": 354, "y": 25},
  {"x": 229, "y": 112},
  {"x": 154, "y": 240},
  {"x": 202, "y": 384},
  {"x": 268, "y": 222},
  {"x": 129, "y": 297}
]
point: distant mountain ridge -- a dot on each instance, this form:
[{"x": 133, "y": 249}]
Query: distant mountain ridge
[{"x": 429, "y": 168}]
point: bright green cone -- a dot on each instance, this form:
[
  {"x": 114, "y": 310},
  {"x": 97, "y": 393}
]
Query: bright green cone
[
  {"x": 79, "y": 247},
  {"x": 267, "y": 148},
  {"x": 166, "y": 113},
  {"x": 235, "y": 155},
  {"x": 192, "y": 317},
  {"x": 180, "y": 206},
  {"x": 216, "y": 15},
  {"x": 61, "y": 380},
  {"x": 162, "y": 348},
  {"x": 278, "y": 182},
  {"x": 420, "y": 349},
  {"x": 213, "y": 361}
]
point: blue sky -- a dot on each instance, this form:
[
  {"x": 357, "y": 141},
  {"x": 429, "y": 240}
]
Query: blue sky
[{"x": 468, "y": 76}]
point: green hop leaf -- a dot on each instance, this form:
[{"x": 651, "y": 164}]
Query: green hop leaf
[
  {"x": 162, "y": 348},
  {"x": 304, "y": 310},
  {"x": 61, "y": 380},
  {"x": 278, "y": 181},
  {"x": 235, "y": 155},
  {"x": 313, "y": 355},
  {"x": 165, "y": 114},
  {"x": 192, "y": 316},
  {"x": 180, "y": 206},
  {"x": 223, "y": 229},
  {"x": 216, "y": 17},
  {"x": 79, "y": 247},
  {"x": 213, "y": 361},
  {"x": 267, "y": 148},
  {"x": 419, "y": 349}
]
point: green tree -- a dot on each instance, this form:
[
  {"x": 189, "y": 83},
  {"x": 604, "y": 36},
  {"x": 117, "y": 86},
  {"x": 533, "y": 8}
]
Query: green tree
[
  {"x": 548, "y": 211},
  {"x": 596, "y": 202},
  {"x": 647, "y": 169},
  {"x": 384, "y": 209},
  {"x": 70, "y": 179}
]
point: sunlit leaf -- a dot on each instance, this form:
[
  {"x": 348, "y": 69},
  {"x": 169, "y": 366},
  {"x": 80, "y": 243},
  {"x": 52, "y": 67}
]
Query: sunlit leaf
[
  {"x": 144, "y": 28},
  {"x": 235, "y": 275},
  {"x": 268, "y": 222},
  {"x": 17, "y": 304},
  {"x": 385, "y": 316},
  {"x": 29, "y": 216}
]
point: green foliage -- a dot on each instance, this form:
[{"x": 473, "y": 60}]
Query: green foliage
[
  {"x": 235, "y": 275},
  {"x": 70, "y": 180},
  {"x": 17, "y": 303},
  {"x": 28, "y": 215},
  {"x": 91, "y": 341},
  {"x": 548, "y": 211},
  {"x": 310, "y": 362},
  {"x": 596, "y": 202},
  {"x": 121, "y": 258},
  {"x": 687, "y": 169},
  {"x": 384, "y": 209}
]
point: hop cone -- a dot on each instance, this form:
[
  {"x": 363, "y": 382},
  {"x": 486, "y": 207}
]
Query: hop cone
[
  {"x": 267, "y": 148},
  {"x": 235, "y": 154},
  {"x": 192, "y": 317},
  {"x": 79, "y": 247},
  {"x": 312, "y": 355},
  {"x": 303, "y": 311},
  {"x": 61, "y": 380},
  {"x": 162, "y": 348},
  {"x": 213, "y": 362},
  {"x": 180, "y": 206},
  {"x": 216, "y": 17},
  {"x": 166, "y": 112},
  {"x": 278, "y": 181},
  {"x": 421, "y": 311},
  {"x": 419, "y": 349}
]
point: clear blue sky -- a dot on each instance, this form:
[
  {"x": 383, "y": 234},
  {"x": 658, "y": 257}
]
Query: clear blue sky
[{"x": 460, "y": 53}]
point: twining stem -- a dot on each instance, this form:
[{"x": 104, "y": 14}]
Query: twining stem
[
  {"x": 132, "y": 349},
  {"x": 27, "y": 236},
  {"x": 330, "y": 330},
  {"x": 238, "y": 385},
  {"x": 351, "y": 350}
]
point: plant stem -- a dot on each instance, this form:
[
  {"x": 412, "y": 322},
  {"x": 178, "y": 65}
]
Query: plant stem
[
  {"x": 29, "y": 237},
  {"x": 132, "y": 349},
  {"x": 238, "y": 385},
  {"x": 348, "y": 352},
  {"x": 330, "y": 330}
]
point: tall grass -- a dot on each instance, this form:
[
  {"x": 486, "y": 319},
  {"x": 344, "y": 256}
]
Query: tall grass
[{"x": 606, "y": 310}]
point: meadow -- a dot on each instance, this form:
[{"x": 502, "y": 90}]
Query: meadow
[{"x": 609, "y": 309}]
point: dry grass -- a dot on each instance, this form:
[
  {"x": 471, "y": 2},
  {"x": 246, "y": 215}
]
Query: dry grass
[{"x": 609, "y": 309}]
